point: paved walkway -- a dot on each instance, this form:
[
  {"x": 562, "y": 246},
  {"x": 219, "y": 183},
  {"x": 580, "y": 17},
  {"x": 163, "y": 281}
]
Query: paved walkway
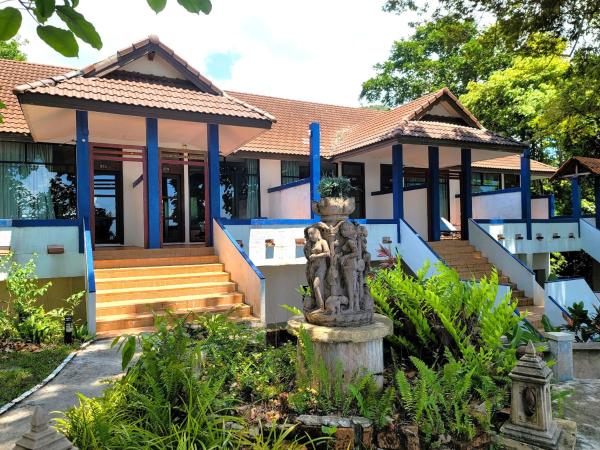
[
  {"x": 583, "y": 406},
  {"x": 86, "y": 373}
]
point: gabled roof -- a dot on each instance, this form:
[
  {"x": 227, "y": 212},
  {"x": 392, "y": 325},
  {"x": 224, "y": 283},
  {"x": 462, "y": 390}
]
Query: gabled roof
[
  {"x": 513, "y": 163},
  {"x": 11, "y": 74},
  {"x": 106, "y": 83},
  {"x": 578, "y": 165}
]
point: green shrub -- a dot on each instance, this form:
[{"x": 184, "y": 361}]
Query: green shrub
[
  {"x": 585, "y": 326},
  {"x": 335, "y": 187},
  {"x": 21, "y": 318}
]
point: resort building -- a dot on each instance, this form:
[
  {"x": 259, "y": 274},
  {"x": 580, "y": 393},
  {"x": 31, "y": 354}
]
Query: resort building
[{"x": 139, "y": 180}]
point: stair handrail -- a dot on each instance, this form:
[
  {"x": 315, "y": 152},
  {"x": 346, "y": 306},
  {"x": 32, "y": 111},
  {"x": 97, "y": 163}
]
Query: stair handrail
[
  {"x": 422, "y": 245},
  {"x": 90, "y": 277}
]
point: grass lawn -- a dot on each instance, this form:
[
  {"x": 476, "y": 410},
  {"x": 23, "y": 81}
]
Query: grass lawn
[{"x": 20, "y": 371}]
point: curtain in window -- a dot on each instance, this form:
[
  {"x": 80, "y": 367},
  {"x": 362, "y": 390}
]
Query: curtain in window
[
  {"x": 253, "y": 189},
  {"x": 290, "y": 171},
  {"x": 25, "y": 181}
]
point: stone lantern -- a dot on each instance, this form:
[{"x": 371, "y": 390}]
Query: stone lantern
[{"x": 531, "y": 419}]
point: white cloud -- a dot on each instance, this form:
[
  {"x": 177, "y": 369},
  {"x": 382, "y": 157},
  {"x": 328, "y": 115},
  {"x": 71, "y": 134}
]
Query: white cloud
[{"x": 320, "y": 50}]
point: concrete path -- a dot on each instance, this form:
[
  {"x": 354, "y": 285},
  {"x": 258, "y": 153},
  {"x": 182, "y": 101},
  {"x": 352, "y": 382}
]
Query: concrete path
[
  {"x": 86, "y": 373},
  {"x": 583, "y": 406}
]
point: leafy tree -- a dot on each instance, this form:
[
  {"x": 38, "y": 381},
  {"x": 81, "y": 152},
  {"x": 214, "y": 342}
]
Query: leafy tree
[
  {"x": 63, "y": 40},
  {"x": 12, "y": 50},
  {"x": 447, "y": 52},
  {"x": 578, "y": 21}
]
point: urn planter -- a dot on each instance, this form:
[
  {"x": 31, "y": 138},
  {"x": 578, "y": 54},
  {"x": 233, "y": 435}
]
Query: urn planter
[{"x": 334, "y": 209}]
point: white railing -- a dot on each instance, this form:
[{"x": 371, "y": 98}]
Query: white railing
[
  {"x": 506, "y": 262},
  {"x": 90, "y": 277},
  {"x": 290, "y": 201},
  {"x": 415, "y": 251},
  {"x": 590, "y": 239},
  {"x": 562, "y": 293}
]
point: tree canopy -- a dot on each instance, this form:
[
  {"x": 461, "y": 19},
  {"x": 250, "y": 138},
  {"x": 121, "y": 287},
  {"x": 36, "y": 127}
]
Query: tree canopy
[
  {"x": 77, "y": 27},
  {"x": 12, "y": 50}
]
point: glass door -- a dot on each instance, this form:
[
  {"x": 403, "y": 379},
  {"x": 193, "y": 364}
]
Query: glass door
[
  {"x": 172, "y": 200},
  {"x": 108, "y": 207},
  {"x": 198, "y": 211}
]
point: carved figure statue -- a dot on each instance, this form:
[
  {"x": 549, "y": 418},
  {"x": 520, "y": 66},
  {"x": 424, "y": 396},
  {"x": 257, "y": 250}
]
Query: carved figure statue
[
  {"x": 316, "y": 251},
  {"x": 336, "y": 268}
]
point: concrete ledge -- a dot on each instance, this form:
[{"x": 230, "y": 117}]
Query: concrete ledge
[
  {"x": 586, "y": 360},
  {"x": 380, "y": 328}
]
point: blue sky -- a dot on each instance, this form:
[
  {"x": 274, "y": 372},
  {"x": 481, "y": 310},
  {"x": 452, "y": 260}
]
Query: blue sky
[{"x": 319, "y": 50}]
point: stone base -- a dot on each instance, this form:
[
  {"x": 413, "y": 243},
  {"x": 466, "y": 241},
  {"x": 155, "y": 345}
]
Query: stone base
[
  {"x": 566, "y": 440},
  {"x": 354, "y": 349}
]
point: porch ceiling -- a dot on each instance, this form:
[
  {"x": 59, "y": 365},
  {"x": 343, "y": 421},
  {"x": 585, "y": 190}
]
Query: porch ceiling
[
  {"x": 417, "y": 155},
  {"x": 57, "y": 125}
]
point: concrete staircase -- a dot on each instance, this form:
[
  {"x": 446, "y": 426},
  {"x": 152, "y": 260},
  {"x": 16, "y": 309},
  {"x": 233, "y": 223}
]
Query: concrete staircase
[
  {"x": 132, "y": 284},
  {"x": 470, "y": 263}
]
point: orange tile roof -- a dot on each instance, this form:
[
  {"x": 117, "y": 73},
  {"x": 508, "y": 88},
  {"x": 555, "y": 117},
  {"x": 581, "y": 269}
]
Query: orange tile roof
[
  {"x": 513, "y": 162},
  {"x": 11, "y": 74},
  {"x": 290, "y": 134},
  {"x": 142, "y": 90}
]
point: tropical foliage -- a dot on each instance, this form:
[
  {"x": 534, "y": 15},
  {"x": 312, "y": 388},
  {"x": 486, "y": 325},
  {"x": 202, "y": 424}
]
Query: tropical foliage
[{"x": 335, "y": 187}]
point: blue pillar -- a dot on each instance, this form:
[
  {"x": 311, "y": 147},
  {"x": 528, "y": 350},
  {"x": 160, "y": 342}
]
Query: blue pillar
[
  {"x": 526, "y": 190},
  {"x": 315, "y": 165},
  {"x": 153, "y": 183},
  {"x": 398, "y": 185},
  {"x": 434, "y": 194},
  {"x": 214, "y": 178},
  {"x": 551, "y": 206},
  {"x": 82, "y": 158},
  {"x": 575, "y": 197},
  {"x": 466, "y": 192},
  {"x": 597, "y": 195}
]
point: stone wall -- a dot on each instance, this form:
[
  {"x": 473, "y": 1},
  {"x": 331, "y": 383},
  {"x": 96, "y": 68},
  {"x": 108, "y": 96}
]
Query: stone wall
[{"x": 586, "y": 360}]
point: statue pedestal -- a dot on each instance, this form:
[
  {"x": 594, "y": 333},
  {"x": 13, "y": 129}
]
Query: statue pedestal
[{"x": 356, "y": 349}]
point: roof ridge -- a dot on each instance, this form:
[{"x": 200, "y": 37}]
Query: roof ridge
[
  {"x": 359, "y": 108},
  {"x": 51, "y": 81},
  {"x": 249, "y": 106}
]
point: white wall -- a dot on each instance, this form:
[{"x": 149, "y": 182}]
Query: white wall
[
  {"x": 540, "y": 208},
  {"x": 281, "y": 285},
  {"x": 270, "y": 176},
  {"x": 290, "y": 203},
  {"x": 414, "y": 251},
  {"x": 249, "y": 282},
  {"x": 415, "y": 211},
  {"x": 133, "y": 204},
  {"x": 24, "y": 242},
  {"x": 454, "y": 187},
  {"x": 590, "y": 239},
  {"x": 565, "y": 293},
  {"x": 497, "y": 206}
]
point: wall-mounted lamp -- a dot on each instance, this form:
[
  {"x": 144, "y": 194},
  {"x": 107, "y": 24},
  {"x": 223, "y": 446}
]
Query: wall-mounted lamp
[
  {"x": 555, "y": 236},
  {"x": 386, "y": 240},
  {"x": 501, "y": 237},
  {"x": 269, "y": 242},
  {"x": 55, "y": 249},
  {"x": 519, "y": 237},
  {"x": 539, "y": 237},
  {"x": 300, "y": 242},
  {"x": 571, "y": 235},
  {"x": 240, "y": 243}
]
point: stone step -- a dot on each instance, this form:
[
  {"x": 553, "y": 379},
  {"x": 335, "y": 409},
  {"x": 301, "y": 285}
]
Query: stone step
[
  {"x": 125, "y": 321},
  {"x": 113, "y": 263},
  {"x": 191, "y": 269},
  {"x": 165, "y": 252},
  {"x": 174, "y": 303},
  {"x": 152, "y": 292},
  {"x": 160, "y": 280}
]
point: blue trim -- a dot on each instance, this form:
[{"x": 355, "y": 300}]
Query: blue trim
[
  {"x": 89, "y": 256},
  {"x": 153, "y": 184},
  {"x": 374, "y": 221},
  {"x": 563, "y": 310},
  {"x": 289, "y": 185},
  {"x": 466, "y": 192},
  {"x": 381, "y": 193},
  {"x": 398, "y": 186},
  {"x": 315, "y": 165},
  {"x": 526, "y": 190},
  {"x": 502, "y": 247},
  {"x": 558, "y": 280},
  {"x": 434, "y": 193},
  {"x": 241, "y": 251},
  {"x": 597, "y": 200},
  {"x": 558, "y": 219},
  {"x": 27, "y": 223},
  {"x": 498, "y": 191},
  {"x": 575, "y": 197},
  {"x": 424, "y": 241},
  {"x": 225, "y": 221},
  {"x": 82, "y": 158},
  {"x": 214, "y": 180}
]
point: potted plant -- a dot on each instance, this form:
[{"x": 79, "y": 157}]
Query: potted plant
[{"x": 336, "y": 201}]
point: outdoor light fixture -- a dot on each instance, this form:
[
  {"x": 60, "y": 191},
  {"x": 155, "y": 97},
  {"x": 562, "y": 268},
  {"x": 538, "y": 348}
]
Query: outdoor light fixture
[
  {"x": 519, "y": 237},
  {"x": 501, "y": 237},
  {"x": 386, "y": 240},
  {"x": 300, "y": 242},
  {"x": 240, "y": 243},
  {"x": 269, "y": 242},
  {"x": 539, "y": 237},
  {"x": 555, "y": 236},
  {"x": 68, "y": 329},
  {"x": 571, "y": 235}
]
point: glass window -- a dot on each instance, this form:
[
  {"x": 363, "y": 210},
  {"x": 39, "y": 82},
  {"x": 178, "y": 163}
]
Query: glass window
[
  {"x": 485, "y": 182},
  {"x": 298, "y": 170},
  {"x": 240, "y": 189},
  {"x": 37, "y": 181},
  {"x": 414, "y": 181},
  {"x": 386, "y": 183},
  {"x": 512, "y": 180}
]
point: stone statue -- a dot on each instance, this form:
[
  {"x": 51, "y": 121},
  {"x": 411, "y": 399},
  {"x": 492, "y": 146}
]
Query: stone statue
[{"x": 336, "y": 269}]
